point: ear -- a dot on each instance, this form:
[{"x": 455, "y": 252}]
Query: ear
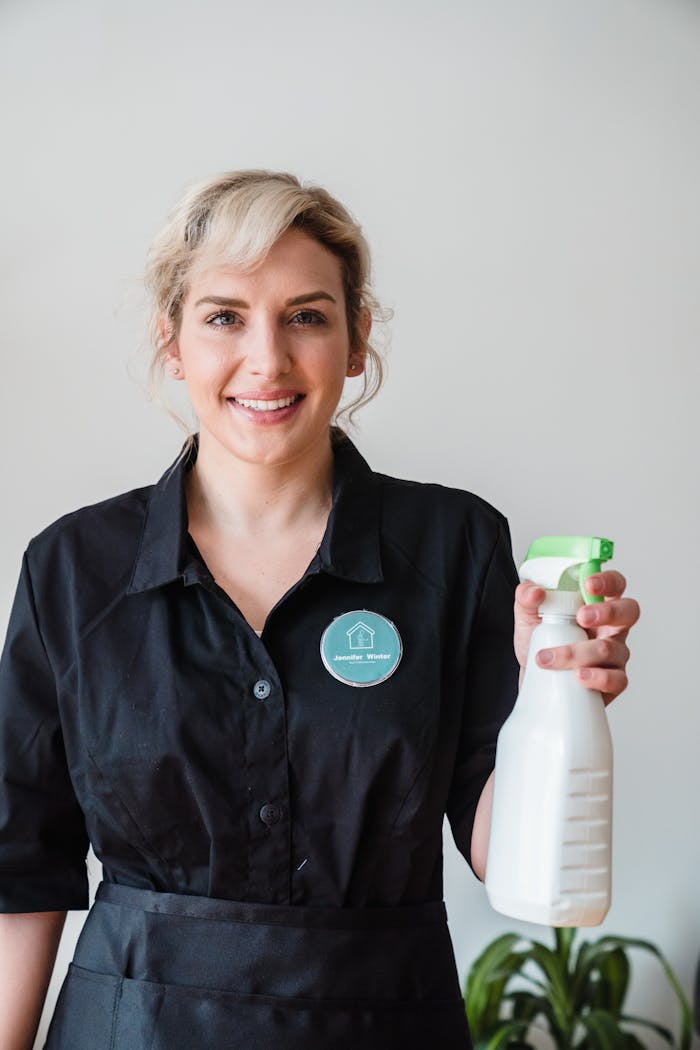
[
  {"x": 173, "y": 365},
  {"x": 356, "y": 360},
  {"x": 170, "y": 348},
  {"x": 356, "y": 363}
]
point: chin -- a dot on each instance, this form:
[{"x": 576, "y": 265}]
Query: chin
[{"x": 267, "y": 447}]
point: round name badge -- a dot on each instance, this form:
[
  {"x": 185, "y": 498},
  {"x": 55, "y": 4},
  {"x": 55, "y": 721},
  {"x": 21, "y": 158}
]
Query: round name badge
[{"x": 361, "y": 648}]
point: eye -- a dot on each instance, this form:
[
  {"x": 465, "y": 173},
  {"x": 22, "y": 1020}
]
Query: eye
[
  {"x": 222, "y": 319},
  {"x": 303, "y": 318}
]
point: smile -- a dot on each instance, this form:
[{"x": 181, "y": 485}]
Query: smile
[{"x": 267, "y": 406}]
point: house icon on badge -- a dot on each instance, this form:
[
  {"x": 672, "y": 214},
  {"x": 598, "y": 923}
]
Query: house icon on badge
[{"x": 360, "y": 636}]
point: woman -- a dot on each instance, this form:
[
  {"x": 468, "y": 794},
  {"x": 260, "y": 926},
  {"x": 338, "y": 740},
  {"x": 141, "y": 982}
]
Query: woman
[{"x": 257, "y": 686}]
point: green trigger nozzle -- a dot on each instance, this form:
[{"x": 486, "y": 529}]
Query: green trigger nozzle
[{"x": 565, "y": 562}]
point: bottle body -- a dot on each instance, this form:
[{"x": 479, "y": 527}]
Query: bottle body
[{"x": 549, "y": 857}]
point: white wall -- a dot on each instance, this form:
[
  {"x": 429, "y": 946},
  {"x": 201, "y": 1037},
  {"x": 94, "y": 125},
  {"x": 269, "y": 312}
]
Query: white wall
[{"x": 528, "y": 175}]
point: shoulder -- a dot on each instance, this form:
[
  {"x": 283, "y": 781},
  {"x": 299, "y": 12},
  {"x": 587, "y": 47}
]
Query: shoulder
[
  {"x": 440, "y": 508},
  {"x": 425, "y": 497},
  {"x": 448, "y": 529},
  {"x": 114, "y": 518},
  {"x": 98, "y": 537}
]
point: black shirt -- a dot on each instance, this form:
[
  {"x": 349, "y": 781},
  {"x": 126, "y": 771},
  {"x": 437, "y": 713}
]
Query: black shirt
[{"x": 140, "y": 712}]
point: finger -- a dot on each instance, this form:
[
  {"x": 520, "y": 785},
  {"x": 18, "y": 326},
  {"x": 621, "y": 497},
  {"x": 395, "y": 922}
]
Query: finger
[
  {"x": 619, "y": 633},
  {"x": 529, "y": 596},
  {"x": 617, "y": 612},
  {"x": 607, "y": 652},
  {"x": 609, "y": 682},
  {"x": 606, "y": 584}
]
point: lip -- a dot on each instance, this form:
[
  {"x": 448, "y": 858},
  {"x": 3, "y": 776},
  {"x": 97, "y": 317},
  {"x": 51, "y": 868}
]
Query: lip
[
  {"x": 273, "y": 416},
  {"x": 265, "y": 395}
]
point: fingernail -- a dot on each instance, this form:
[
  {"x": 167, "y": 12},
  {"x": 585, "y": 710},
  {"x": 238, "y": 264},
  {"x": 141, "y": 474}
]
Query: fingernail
[
  {"x": 595, "y": 585},
  {"x": 585, "y": 672},
  {"x": 545, "y": 656},
  {"x": 588, "y": 616}
]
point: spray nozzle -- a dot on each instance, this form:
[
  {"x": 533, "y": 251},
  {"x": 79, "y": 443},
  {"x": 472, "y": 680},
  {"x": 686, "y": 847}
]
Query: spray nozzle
[{"x": 565, "y": 562}]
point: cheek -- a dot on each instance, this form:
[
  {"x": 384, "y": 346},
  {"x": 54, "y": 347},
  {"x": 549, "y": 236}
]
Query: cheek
[
  {"x": 332, "y": 361},
  {"x": 330, "y": 379},
  {"x": 206, "y": 365}
]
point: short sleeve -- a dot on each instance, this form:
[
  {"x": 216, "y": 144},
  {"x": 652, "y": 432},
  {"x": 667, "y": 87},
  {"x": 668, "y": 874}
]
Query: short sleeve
[
  {"x": 492, "y": 684},
  {"x": 43, "y": 842}
]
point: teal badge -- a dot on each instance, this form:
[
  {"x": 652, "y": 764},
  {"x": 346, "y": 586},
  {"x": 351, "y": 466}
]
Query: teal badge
[{"x": 361, "y": 648}]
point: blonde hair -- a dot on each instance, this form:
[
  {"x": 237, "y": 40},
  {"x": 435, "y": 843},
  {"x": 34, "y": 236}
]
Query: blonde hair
[{"x": 234, "y": 219}]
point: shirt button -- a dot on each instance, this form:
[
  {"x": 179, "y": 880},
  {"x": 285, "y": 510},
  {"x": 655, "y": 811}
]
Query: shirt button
[
  {"x": 262, "y": 689},
  {"x": 270, "y": 814}
]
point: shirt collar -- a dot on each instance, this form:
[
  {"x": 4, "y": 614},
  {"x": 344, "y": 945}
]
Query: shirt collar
[
  {"x": 161, "y": 555},
  {"x": 350, "y": 547}
]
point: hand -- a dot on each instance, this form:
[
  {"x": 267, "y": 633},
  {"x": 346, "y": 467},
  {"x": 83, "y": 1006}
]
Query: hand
[{"x": 601, "y": 660}]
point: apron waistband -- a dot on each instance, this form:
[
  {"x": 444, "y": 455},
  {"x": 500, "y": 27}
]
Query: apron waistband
[
  {"x": 292, "y": 915},
  {"x": 384, "y": 955}
]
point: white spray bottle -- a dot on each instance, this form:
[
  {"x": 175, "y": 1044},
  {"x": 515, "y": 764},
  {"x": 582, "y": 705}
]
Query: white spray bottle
[{"x": 549, "y": 857}]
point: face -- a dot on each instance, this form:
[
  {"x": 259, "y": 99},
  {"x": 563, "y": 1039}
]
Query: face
[{"x": 265, "y": 354}]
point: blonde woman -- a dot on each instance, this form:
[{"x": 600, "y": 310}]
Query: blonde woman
[{"x": 257, "y": 686}]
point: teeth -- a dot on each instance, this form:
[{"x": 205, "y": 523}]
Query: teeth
[{"x": 266, "y": 406}]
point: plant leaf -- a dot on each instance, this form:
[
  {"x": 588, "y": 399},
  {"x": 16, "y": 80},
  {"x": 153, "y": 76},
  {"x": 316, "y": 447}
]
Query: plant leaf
[
  {"x": 686, "y": 1032},
  {"x": 632, "y": 1042},
  {"x": 564, "y": 938},
  {"x": 526, "y": 1006},
  {"x": 603, "y": 1031},
  {"x": 586, "y": 954},
  {"x": 486, "y": 982},
  {"x": 665, "y": 1033},
  {"x": 601, "y": 977},
  {"x": 558, "y": 992},
  {"x": 508, "y": 1032},
  {"x": 606, "y": 981}
]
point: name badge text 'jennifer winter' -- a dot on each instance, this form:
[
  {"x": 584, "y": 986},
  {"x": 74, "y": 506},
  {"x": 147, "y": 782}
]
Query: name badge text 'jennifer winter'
[{"x": 361, "y": 648}]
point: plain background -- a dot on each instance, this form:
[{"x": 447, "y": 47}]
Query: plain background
[{"x": 527, "y": 175}]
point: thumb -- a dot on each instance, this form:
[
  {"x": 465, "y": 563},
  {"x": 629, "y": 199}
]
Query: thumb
[{"x": 528, "y": 598}]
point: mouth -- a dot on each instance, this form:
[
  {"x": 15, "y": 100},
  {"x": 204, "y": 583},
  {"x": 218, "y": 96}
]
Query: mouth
[
  {"x": 257, "y": 404},
  {"x": 266, "y": 410}
]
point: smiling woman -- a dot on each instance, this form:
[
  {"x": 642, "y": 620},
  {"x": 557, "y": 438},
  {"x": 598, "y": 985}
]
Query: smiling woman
[
  {"x": 249, "y": 355},
  {"x": 229, "y": 225},
  {"x": 257, "y": 686}
]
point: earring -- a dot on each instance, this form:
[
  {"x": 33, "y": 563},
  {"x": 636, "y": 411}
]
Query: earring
[{"x": 176, "y": 371}]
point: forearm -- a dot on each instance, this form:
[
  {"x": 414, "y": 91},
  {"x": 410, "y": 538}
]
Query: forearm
[
  {"x": 482, "y": 828},
  {"x": 28, "y": 946},
  {"x": 482, "y": 820}
]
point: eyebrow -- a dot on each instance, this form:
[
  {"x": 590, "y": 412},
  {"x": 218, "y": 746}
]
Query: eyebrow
[{"x": 308, "y": 297}]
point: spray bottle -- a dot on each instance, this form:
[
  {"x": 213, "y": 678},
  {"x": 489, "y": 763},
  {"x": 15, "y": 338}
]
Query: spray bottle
[{"x": 549, "y": 856}]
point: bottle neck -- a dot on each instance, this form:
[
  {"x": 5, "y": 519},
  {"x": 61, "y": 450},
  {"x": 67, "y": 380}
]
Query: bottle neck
[{"x": 560, "y": 606}]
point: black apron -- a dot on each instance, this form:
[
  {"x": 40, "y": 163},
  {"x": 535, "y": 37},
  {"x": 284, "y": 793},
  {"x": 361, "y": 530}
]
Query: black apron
[{"x": 164, "y": 971}]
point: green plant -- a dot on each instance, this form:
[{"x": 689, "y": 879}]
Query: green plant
[{"x": 517, "y": 985}]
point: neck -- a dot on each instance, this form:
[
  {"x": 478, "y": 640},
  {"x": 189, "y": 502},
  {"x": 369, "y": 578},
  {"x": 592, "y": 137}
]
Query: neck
[{"x": 233, "y": 496}]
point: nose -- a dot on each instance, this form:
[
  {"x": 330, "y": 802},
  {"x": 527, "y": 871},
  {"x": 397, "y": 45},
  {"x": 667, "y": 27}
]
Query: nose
[{"x": 267, "y": 350}]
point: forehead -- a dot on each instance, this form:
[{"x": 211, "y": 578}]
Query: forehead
[{"x": 295, "y": 263}]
